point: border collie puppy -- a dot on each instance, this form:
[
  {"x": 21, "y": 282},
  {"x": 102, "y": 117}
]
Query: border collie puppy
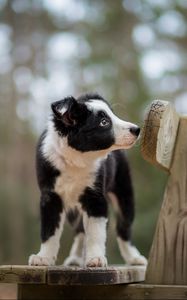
[{"x": 80, "y": 166}]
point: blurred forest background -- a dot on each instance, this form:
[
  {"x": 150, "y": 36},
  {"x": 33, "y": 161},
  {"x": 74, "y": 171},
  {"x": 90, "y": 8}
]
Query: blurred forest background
[{"x": 130, "y": 51}]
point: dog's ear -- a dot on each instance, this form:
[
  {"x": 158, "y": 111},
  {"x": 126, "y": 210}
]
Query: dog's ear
[{"x": 65, "y": 110}]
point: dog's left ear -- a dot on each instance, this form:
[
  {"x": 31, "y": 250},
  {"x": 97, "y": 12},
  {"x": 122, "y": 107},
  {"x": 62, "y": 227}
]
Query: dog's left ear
[{"x": 65, "y": 110}]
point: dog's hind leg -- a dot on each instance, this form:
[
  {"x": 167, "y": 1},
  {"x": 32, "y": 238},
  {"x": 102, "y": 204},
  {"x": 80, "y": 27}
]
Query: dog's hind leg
[
  {"x": 76, "y": 254},
  {"x": 130, "y": 253},
  {"x": 75, "y": 257},
  {"x": 123, "y": 195}
]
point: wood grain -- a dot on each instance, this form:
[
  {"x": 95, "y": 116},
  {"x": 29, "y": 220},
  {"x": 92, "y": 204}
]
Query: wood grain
[
  {"x": 72, "y": 275},
  {"x": 22, "y": 274},
  {"x": 101, "y": 292},
  {"x": 168, "y": 257},
  {"x": 97, "y": 276},
  {"x": 159, "y": 134}
]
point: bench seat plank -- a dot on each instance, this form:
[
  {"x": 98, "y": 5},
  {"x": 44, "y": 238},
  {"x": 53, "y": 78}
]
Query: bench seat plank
[
  {"x": 22, "y": 274},
  {"x": 96, "y": 276},
  {"x": 59, "y": 275}
]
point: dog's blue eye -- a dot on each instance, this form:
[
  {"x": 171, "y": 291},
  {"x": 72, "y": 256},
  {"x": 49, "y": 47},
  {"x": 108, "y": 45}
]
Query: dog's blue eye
[{"x": 104, "y": 122}]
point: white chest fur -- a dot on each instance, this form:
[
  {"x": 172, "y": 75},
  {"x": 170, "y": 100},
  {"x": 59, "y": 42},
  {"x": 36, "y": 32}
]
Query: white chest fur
[
  {"x": 77, "y": 170},
  {"x": 72, "y": 183}
]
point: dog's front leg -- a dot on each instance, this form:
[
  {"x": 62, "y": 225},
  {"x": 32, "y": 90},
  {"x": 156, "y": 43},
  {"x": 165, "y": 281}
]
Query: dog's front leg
[
  {"x": 95, "y": 221},
  {"x": 52, "y": 221},
  {"x": 95, "y": 230}
]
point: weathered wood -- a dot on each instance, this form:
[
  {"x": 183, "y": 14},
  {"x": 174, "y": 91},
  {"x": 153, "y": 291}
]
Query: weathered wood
[
  {"x": 72, "y": 275},
  {"x": 99, "y": 292},
  {"x": 168, "y": 257},
  {"x": 22, "y": 274},
  {"x": 159, "y": 134},
  {"x": 95, "y": 276}
]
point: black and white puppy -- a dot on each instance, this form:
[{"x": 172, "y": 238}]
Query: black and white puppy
[{"x": 80, "y": 166}]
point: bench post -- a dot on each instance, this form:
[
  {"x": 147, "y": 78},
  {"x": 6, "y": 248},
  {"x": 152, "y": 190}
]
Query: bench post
[{"x": 164, "y": 144}]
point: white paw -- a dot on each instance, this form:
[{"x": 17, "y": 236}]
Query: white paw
[
  {"x": 95, "y": 262},
  {"x": 138, "y": 260},
  {"x": 73, "y": 261},
  {"x": 38, "y": 260}
]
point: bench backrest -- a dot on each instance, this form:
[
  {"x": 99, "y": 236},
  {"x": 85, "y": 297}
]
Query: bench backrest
[{"x": 164, "y": 143}]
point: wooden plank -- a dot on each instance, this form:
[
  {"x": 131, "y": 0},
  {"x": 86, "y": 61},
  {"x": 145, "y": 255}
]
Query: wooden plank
[
  {"x": 97, "y": 276},
  {"x": 72, "y": 275},
  {"x": 22, "y": 274},
  {"x": 168, "y": 257},
  {"x": 159, "y": 134},
  {"x": 99, "y": 292}
]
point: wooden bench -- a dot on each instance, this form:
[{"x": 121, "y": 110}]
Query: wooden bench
[
  {"x": 164, "y": 143},
  {"x": 111, "y": 283},
  {"x": 69, "y": 283}
]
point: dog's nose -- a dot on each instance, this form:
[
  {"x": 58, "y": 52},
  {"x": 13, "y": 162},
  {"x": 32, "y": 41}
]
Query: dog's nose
[{"x": 135, "y": 130}]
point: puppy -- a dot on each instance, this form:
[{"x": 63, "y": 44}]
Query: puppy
[{"x": 80, "y": 166}]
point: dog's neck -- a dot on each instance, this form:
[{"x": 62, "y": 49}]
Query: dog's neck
[{"x": 56, "y": 148}]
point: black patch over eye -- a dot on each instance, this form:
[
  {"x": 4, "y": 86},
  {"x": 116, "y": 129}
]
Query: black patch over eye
[{"x": 104, "y": 122}]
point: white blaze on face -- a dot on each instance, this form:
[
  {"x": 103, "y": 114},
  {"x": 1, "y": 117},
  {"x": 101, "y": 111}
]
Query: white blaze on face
[{"x": 123, "y": 137}]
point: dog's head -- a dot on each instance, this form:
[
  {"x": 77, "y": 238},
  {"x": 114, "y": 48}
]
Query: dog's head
[{"x": 89, "y": 124}]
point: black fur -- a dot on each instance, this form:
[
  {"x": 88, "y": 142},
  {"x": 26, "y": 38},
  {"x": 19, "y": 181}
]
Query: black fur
[
  {"x": 94, "y": 203},
  {"x": 50, "y": 204},
  {"x": 84, "y": 134},
  {"x": 124, "y": 191},
  {"x": 114, "y": 176},
  {"x": 75, "y": 220},
  {"x": 91, "y": 137},
  {"x": 50, "y": 209}
]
